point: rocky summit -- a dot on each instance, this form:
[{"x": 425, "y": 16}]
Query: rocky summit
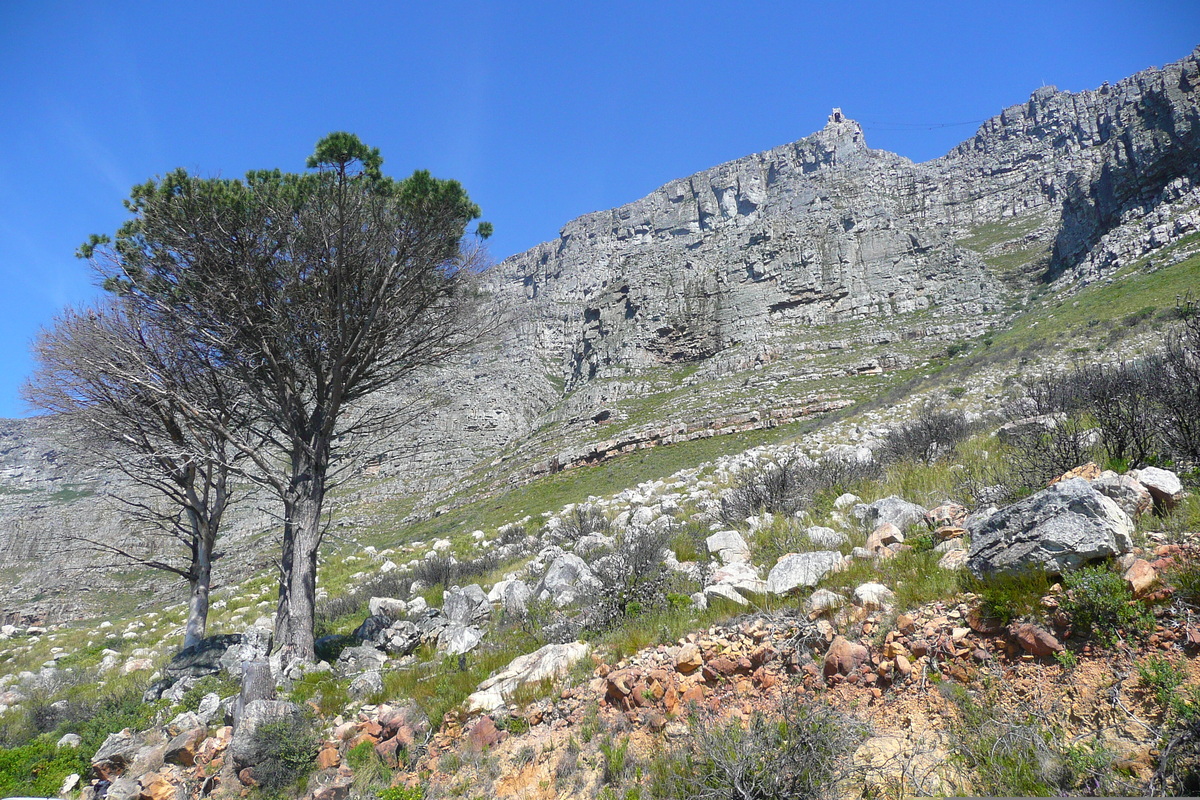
[{"x": 818, "y": 440}]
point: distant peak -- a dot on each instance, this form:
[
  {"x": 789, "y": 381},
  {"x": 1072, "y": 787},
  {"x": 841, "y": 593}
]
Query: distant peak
[{"x": 842, "y": 133}]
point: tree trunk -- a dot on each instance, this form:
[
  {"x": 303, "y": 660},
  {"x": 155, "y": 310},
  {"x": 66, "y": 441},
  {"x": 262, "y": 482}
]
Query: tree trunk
[
  {"x": 199, "y": 581},
  {"x": 295, "y": 618}
]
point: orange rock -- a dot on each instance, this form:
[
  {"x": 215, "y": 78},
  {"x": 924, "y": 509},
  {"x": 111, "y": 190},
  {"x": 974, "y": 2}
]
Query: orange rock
[
  {"x": 328, "y": 758},
  {"x": 689, "y": 659},
  {"x": 156, "y": 787},
  {"x": 695, "y": 695},
  {"x": 1141, "y": 577},
  {"x": 903, "y": 666},
  {"x": 905, "y": 624},
  {"x": 1089, "y": 472}
]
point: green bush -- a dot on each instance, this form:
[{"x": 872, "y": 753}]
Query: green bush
[
  {"x": 796, "y": 751},
  {"x": 1099, "y": 602},
  {"x": 1010, "y": 597},
  {"x": 36, "y": 768},
  {"x": 401, "y": 793},
  {"x": 289, "y": 747},
  {"x": 222, "y": 684}
]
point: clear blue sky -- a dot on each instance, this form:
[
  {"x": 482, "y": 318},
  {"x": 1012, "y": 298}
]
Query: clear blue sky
[{"x": 544, "y": 111}]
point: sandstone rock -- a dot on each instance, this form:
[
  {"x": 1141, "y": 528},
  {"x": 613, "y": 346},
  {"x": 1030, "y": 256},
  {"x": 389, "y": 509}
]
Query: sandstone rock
[
  {"x": 1141, "y": 577},
  {"x": 328, "y": 757},
  {"x": 955, "y": 559},
  {"x": 387, "y": 607},
  {"x": 873, "y": 595},
  {"x": 553, "y": 660},
  {"x": 158, "y": 787},
  {"x": 884, "y": 535},
  {"x": 893, "y": 509},
  {"x": 729, "y": 546},
  {"x": 1055, "y": 530},
  {"x": 796, "y": 570},
  {"x": 182, "y": 749},
  {"x": 1130, "y": 496},
  {"x": 948, "y": 515},
  {"x": 844, "y": 657},
  {"x": 466, "y": 605},
  {"x": 1163, "y": 485},
  {"x": 689, "y": 659},
  {"x": 1089, "y": 472},
  {"x": 1034, "y": 639},
  {"x": 826, "y": 538}
]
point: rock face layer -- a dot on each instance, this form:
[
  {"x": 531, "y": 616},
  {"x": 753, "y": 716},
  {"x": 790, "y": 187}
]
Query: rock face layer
[{"x": 826, "y": 229}]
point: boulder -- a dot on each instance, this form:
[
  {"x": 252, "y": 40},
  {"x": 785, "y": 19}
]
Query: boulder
[
  {"x": 366, "y": 683},
  {"x": 873, "y": 595},
  {"x": 728, "y": 546},
  {"x": 457, "y": 639},
  {"x": 1130, "y": 496},
  {"x": 466, "y": 604},
  {"x": 796, "y": 570},
  {"x": 688, "y": 660},
  {"x": 726, "y": 591},
  {"x": 356, "y": 660},
  {"x": 1163, "y": 485},
  {"x": 844, "y": 657},
  {"x": 255, "y": 644},
  {"x": 740, "y": 576},
  {"x": 1141, "y": 577},
  {"x": 955, "y": 559},
  {"x": 118, "y": 751},
  {"x": 826, "y": 538},
  {"x": 245, "y": 749},
  {"x": 387, "y": 607},
  {"x": 1034, "y": 639},
  {"x": 567, "y": 581},
  {"x": 883, "y": 536},
  {"x": 182, "y": 749},
  {"x": 512, "y": 595},
  {"x": 551, "y": 661},
  {"x": 948, "y": 515},
  {"x": 202, "y": 658},
  {"x": 894, "y": 509},
  {"x": 1055, "y": 530},
  {"x": 823, "y": 600},
  {"x": 398, "y": 639}
]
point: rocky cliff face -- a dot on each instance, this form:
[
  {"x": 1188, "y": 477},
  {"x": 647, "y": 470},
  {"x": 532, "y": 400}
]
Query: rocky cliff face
[
  {"x": 826, "y": 229},
  {"x": 823, "y": 248}
]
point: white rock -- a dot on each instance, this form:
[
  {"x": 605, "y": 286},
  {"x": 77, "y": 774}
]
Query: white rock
[{"x": 873, "y": 595}]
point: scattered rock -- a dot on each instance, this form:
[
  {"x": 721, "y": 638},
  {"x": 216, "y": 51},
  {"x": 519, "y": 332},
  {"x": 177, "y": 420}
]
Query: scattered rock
[
  {"x": 796, "y": 570},
  {"x": 826, "y": 538},
  {"x": 894, "y": 509},
  {"x": 553, "y": 660},
  {"x": 1141, "y": 577},
  {"x": 729, "y": 546},
  {"x": 844, "y": 657},
  {"x": 1163, "y": 485},
  {"x": 1055, "y": 530},
  {"x": 1034, "y": 639}
]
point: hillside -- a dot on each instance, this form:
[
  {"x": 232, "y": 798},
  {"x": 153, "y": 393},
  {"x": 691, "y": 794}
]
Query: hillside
[{"x": 799, "y": 307}]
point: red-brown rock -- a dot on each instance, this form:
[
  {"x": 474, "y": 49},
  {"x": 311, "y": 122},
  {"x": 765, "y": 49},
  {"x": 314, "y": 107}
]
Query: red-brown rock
[
  {"x": 844, "y": 657},
  {"x": 1034, "y": 639}
]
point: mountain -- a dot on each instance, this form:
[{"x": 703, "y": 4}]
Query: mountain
[{"x": 779, "y": 286}]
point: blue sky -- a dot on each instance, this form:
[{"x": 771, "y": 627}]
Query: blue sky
[{"x": 544, "y": 111}]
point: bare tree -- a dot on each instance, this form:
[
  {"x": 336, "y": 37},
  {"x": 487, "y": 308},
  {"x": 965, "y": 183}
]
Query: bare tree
[
  {"x": 316, "y": 290},
  {"x": 120, "y": 387}
]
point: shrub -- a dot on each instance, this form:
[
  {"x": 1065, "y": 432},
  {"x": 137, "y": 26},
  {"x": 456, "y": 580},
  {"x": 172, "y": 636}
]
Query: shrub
[
  {"x": 795, "y": 751},
  {"x": 222, "y": 684},
  {"x": 1100, "y": 603},
  {"x": 289, "y": 747},
  {"x": 583, "y": 520},
  {"x": 1009, "y": 597},
  {"x": 633, "y": 577},
  {"x": 785, "y": 486},
  {"x": 1012, "y": 753},
  {"x": 933, "y": 434}
]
